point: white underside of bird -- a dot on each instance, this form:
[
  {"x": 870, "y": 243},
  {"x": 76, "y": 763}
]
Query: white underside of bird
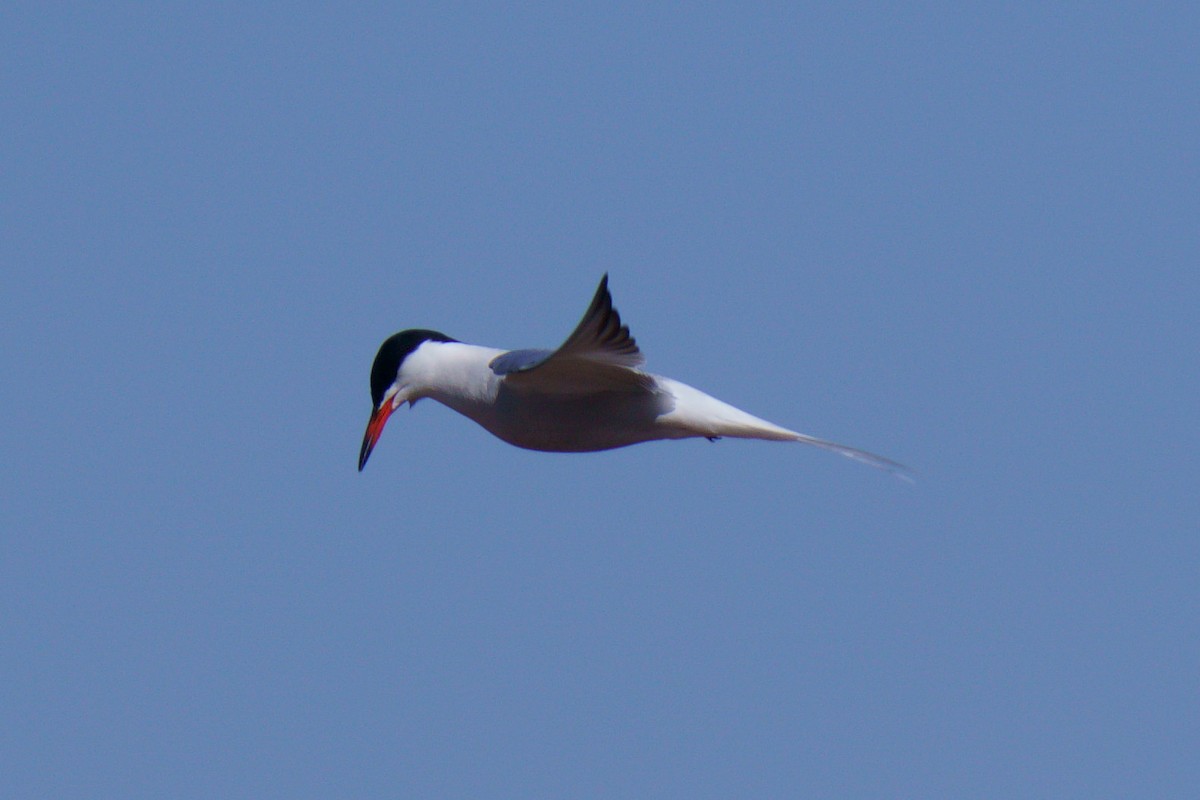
[{"x": 589, "y": 394}]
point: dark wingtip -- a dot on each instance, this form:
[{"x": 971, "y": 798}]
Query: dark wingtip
[{"x": 601, "y": 298}]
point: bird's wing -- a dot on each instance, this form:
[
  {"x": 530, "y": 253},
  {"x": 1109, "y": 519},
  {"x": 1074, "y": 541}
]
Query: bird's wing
[
  {"x": 600, "y": 336},
  {"x": 599, "y": 355},
  {"x": 518, "y": 361}
]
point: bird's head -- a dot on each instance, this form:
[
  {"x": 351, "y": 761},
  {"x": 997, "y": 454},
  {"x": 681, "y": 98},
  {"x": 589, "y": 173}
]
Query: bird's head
[{"x": 389, "y": 389}]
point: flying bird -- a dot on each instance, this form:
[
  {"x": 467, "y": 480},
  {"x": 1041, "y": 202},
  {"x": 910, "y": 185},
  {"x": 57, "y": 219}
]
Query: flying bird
[{"x": 589, "y": 394}]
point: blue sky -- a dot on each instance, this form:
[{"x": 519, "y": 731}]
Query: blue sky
[{"x": 961, "y": 236}]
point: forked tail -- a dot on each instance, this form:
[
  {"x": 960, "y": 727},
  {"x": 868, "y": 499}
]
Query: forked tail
[
  {"x": 879, "y": 462},
  {"x": 699, "y": 414}
]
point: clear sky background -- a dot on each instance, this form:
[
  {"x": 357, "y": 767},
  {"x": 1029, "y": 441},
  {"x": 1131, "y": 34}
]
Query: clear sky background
[{"x": 963, "y": 236}]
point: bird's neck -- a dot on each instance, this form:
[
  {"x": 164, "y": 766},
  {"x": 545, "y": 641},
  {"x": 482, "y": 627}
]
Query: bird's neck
[{"x": 452, "y": 371}]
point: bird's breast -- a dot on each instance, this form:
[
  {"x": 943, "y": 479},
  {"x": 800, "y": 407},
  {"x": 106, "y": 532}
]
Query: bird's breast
[{"x": 568, "y": 423}]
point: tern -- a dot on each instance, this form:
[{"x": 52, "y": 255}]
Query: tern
[{"x": 589, "y": 394}]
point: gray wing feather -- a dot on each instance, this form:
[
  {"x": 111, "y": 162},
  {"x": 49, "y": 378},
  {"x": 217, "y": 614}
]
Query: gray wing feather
[
  {"x": 600, "y": 336},
  {"x": 599, "y": 355},
  {"x": 518, "y": 360}
]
